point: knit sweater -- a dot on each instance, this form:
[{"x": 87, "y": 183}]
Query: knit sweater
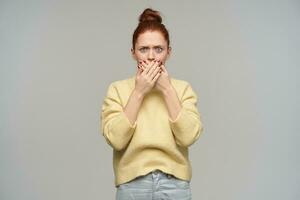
[{"x": 154, "y": 141}]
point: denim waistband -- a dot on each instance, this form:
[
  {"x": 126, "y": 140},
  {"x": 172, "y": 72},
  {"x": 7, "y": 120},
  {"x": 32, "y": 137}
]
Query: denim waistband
[{"x": 157, "y": 172}]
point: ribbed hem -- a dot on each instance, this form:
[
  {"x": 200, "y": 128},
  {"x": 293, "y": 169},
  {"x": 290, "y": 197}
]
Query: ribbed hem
[{"x": 179, "y": 171}]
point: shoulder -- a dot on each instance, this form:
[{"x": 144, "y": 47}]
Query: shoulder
[
  {"x": 183, "y": 88},
  {"x": 122, "y": 84},
  {"x": 179, "y": 84}
]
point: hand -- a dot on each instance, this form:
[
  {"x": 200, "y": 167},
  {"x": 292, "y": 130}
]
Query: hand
[
  {"x": 144, "y": 64},
  {"x": 147, "y": 75},
  {"x": 163, "y": 82}
]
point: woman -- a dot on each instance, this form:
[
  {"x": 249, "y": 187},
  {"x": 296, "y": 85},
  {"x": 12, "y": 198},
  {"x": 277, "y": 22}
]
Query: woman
[{"x": 150, "y": 120}]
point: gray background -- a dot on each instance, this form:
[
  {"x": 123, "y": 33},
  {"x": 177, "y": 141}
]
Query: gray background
[{"x": 58, "y": 57}]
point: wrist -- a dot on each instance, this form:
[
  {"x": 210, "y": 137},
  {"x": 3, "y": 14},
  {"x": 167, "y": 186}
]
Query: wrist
[
  {"x": 138, "y": 94},
  {"x": 167, "y": 90}
]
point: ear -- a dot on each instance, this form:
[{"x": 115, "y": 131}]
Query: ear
[
  {"x": 169, "y": 52},
  {"x": 133, "y": 54}
]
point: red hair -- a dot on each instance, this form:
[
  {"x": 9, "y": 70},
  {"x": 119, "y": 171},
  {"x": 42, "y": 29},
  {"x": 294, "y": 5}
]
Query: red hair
[{"x": 150, "y": 20}]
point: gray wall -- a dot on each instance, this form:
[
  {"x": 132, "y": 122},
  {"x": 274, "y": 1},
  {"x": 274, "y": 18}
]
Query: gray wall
[{"x": 58, "y": 57}]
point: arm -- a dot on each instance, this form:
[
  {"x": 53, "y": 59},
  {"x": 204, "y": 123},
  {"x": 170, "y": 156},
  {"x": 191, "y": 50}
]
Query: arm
[
  {"x": 184, "y": 117},
  {"x": 118, "y": 124},
  {"x": 133, "y": 105}
]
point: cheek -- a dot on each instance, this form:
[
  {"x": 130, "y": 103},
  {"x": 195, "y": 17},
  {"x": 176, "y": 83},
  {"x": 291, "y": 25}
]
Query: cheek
[
  {"x": 141, "y": 57},
  {"x": 162, "y": 57}
]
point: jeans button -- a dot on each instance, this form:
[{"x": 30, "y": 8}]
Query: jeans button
[{"x": 155, "y": 172}]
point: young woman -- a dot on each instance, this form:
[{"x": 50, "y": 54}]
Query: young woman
[{"x": 150, "y": 120}]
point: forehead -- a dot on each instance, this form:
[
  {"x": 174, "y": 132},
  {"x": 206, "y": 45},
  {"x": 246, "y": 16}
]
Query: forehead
[{"x": 151, "y": 38}]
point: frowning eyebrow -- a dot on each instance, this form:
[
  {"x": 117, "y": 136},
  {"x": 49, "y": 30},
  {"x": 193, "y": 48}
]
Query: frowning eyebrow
[{"x": 154, "y": 46}]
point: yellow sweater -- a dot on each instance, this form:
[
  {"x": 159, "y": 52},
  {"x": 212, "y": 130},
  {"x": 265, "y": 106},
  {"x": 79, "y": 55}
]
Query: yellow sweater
[{"x": 154, "y": 141}]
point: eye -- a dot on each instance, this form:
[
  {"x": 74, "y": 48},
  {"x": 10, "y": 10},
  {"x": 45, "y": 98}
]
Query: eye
[
  {"x": 159, "y": 49},
  {"x": 143, "y": 49}
]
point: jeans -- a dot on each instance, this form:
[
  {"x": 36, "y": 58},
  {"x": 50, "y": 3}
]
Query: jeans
[{"x": 156, "y": 185}]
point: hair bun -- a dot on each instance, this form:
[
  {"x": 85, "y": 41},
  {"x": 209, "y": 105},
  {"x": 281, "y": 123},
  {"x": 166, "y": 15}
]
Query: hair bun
[{"x": 150, "y": 15}]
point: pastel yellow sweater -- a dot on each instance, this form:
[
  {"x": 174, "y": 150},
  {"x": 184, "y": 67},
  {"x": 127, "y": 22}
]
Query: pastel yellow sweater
[{"x": 154, "y": 141}]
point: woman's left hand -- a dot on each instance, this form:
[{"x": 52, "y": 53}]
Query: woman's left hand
[{"x": 163, "y": 82}]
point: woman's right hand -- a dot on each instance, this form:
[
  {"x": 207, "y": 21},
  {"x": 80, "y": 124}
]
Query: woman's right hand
[{"x": 146, "y": 77}]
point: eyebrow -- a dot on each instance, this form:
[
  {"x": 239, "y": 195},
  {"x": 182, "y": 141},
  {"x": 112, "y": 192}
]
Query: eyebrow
[{"x": 154, "y": 46}]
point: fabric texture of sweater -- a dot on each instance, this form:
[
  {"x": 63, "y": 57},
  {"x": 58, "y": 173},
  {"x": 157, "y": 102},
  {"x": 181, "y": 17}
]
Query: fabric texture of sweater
[{"x": 154, "y": 141}]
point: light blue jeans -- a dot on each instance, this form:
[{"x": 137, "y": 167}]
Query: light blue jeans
[{"x": 156, "y": 185}]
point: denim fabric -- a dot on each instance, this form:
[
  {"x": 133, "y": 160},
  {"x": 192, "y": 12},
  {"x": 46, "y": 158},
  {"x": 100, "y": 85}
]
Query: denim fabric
[{"x": 156, "y": 185}]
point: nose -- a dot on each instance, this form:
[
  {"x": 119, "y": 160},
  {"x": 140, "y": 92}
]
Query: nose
[{"x": 151, "y": 56}]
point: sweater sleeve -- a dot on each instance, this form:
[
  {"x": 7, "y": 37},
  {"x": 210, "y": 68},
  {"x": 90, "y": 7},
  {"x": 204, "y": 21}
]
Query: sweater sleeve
[
  {"x": 116, "y": 127},
  {"x": 187, "y": 126}
]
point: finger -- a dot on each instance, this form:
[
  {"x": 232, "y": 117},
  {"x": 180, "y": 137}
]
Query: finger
[
  {"x": 145, "y": 63},
  {"x": 147, "y": 68},
  {"x": 156, "y": 77},
  {"x": 154, "y": 69},
  {"x": 142, "y": 64},
  {"x": 163, "y": 68},
  {"x": 139, "y": 64},
  {"x": 150, "y": 63},
  {"x": 140, "y": 70},
  {"x": 141, "y": 67},
  {"x": 159, "y": 65},
  {"x": 156, "y": 63}
]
